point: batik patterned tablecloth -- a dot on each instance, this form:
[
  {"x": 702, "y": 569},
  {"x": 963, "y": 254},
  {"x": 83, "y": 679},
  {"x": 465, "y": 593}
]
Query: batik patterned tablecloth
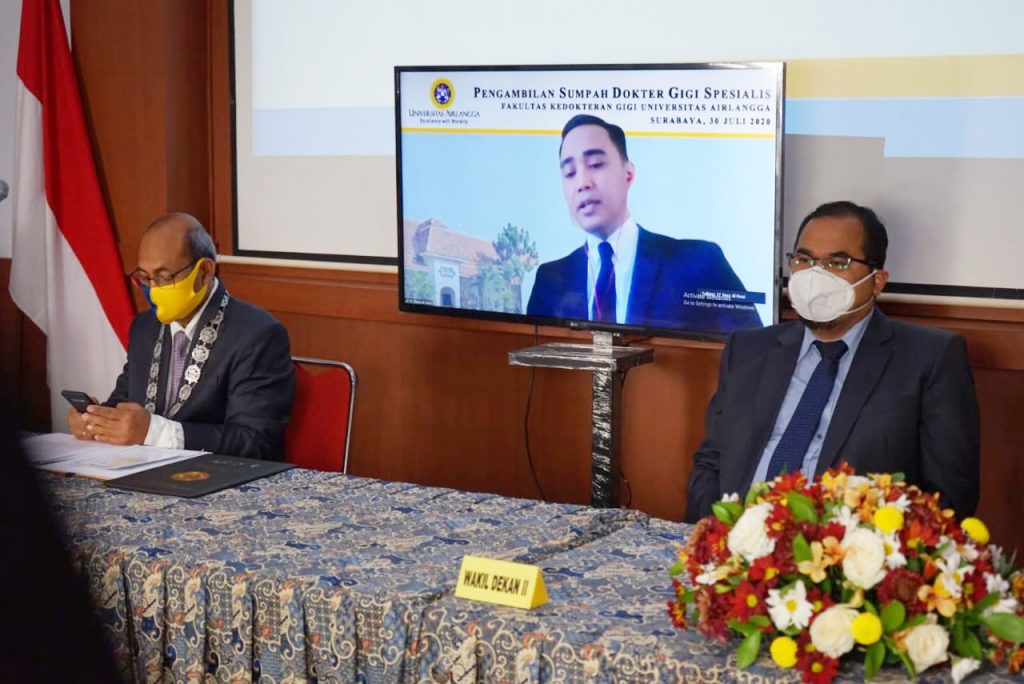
[
  {"x": 606, "y": 622},
  {"x": 309, "y": 576},
  {"x": 304, "y": 575}
]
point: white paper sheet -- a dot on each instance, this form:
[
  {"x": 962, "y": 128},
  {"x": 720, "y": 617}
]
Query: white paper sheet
[{"x": 62, "y": 453}]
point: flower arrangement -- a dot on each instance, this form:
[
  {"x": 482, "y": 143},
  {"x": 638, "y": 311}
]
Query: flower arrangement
[{"x": 849, "y": 565}]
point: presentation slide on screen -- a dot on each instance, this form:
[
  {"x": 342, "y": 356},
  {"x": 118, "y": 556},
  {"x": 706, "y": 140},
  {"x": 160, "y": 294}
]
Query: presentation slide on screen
[
  {"x": 489, "y": 201},
  {"x": 911, "y": 108}
]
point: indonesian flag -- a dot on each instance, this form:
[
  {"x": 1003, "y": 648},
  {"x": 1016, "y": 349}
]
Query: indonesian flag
[{"x": 66, "y": 272}]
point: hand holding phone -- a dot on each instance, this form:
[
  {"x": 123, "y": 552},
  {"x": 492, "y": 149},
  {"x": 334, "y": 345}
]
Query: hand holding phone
[{"x": 80, "y": 400}]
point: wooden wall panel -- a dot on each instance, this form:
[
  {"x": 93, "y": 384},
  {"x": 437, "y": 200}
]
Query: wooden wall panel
[
  {"x": 469, "y": 401},
  {"x": 1000, "y": 398},
  {"x": 22, "y": 362},
  {"x": 143, "y": 70}
]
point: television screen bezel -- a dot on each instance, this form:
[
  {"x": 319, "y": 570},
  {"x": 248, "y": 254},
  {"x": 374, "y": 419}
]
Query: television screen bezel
[{"x": 570, "y": 323}]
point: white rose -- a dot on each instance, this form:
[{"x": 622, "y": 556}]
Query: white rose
[
  {"x": 864, "y": 557},
  {"x": 926, "y": 645},
  {"x": 749, "y": 536},
  {"x": 831, "y": 632}
]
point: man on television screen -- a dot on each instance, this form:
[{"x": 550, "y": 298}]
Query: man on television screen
[{"x": 623, "y": 273}]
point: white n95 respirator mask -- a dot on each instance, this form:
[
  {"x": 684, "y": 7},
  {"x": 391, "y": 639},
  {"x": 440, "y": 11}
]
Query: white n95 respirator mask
[{"x": 820, "y": 296}]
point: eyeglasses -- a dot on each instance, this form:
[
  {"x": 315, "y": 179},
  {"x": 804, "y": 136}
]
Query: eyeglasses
[
  {"x": 141, "y": 279},
  {"x": 836, "y": 263}
]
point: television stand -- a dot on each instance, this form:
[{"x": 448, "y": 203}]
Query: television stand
[{"x": 608, "y": 362}]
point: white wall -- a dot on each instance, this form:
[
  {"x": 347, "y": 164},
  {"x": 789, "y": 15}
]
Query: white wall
[{"x": 10, "y": 23}]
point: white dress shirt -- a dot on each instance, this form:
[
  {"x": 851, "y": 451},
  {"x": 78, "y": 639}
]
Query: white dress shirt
[{"x": 623, "y": 242}]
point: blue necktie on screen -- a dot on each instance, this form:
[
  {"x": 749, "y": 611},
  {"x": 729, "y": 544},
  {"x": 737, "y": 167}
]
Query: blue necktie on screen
[
  {"x": 604, "y": 288},
  {"x": 790, "y": 451}
]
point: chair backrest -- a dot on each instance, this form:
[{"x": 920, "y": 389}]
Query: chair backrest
[{"x": 321, "y": 425}]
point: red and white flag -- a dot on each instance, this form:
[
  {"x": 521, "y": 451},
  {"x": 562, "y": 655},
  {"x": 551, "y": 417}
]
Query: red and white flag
[{"x": 66, "y": 272}]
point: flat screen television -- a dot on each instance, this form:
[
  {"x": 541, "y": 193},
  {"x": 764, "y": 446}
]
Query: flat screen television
[{"x": 625, "y": 198}]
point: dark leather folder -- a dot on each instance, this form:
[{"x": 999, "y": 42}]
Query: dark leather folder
[{"x": 199, "y": 476}]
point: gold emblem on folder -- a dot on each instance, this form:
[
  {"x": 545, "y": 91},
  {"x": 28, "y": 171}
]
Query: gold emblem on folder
[{"x": 191, "y": 476}]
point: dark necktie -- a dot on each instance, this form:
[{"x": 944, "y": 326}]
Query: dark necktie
[
  {"x": 790, "y": 451},
  {"x": 179, "y": 351},
  {"x": 604, "y": 288}
]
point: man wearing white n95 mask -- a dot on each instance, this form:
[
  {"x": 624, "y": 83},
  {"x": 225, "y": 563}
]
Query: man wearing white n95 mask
[{"x": 845, "y": 383}]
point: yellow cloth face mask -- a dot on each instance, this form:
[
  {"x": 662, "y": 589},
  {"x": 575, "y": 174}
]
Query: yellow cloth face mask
[{"x": 174, "y": 302}]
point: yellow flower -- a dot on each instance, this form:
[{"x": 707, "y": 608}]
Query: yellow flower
[
  {"x": 824, "y": 554},
  {"x": 976, "y": 530},
  {"x": 888, "y": 519},
  {"x": 866, "y": 628},
  {"x": 783, "y": 651},
  {"x": 937, "y": 598},
  {"x": 832, "y": 483}
]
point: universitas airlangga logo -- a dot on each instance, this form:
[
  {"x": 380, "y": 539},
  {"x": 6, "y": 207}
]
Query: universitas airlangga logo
[{"x": 442, "y": 93}]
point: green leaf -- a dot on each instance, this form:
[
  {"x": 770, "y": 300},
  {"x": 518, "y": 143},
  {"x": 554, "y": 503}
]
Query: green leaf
[
  {"x": 915, "y": 621},
  {"x": 676, "y": 568},
  {"x": 957, "y": 632},
  {"x": 1006, "y": 626},
  {"x": 870, "y": 607},
  {"x": 743, "y": 628},
  {"x": 907, "y": 664},
  {"x": 722, "y": 588},
  {"x": 898, "y": 477},
  {"x": 972, "y": 646},
  {"x": 802, "y": 507},
  {"x": 873, "y": 659},
  {"x": 893, "y": 615},
  {"x": 754, "y": 492},
  {"x": 801, "y": 549},
  {"x": 746, "y": 654},
  {"x": 688, "y": 596},
  {"x": 985, "y": 603},
  {"x": 760, "y": 620},
  {"x": 727, "y": 511}
]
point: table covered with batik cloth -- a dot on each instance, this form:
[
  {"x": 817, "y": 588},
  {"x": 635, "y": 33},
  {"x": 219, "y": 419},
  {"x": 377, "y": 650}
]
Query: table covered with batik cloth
[{"x": 320, "y": 577}]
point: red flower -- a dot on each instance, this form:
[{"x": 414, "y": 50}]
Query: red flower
[
  {"x": 706, "y": 544},
  {"x": 833, "y": 529},
  {"x": 677, "y": 612},
  {"x": 712, "y": 609},
  {"x": 815, "y": 667},
  {"x": 918, "y": 533},
  {"x": 974, "y": 586},
  {"x": 747, "y": 600},
  {"x": 820, "y": 600},
  {"x": 788, "y": 482},
  {"x": 766, "y": 570},
  {"x": 902, "y": 585}
]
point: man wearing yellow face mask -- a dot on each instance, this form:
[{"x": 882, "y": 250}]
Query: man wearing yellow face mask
[{"x": 205, "y": 370}]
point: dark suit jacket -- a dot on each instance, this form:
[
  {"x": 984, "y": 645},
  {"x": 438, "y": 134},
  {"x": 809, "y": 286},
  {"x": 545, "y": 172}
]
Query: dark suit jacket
[
  {"x": 664, "y": 270},
  {"x": 907, "y": 405},
  {"x": 243, "y": 400}
]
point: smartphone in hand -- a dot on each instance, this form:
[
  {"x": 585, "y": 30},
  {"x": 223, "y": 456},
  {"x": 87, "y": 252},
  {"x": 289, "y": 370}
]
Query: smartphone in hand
[{"x": 80, "y": 400}]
